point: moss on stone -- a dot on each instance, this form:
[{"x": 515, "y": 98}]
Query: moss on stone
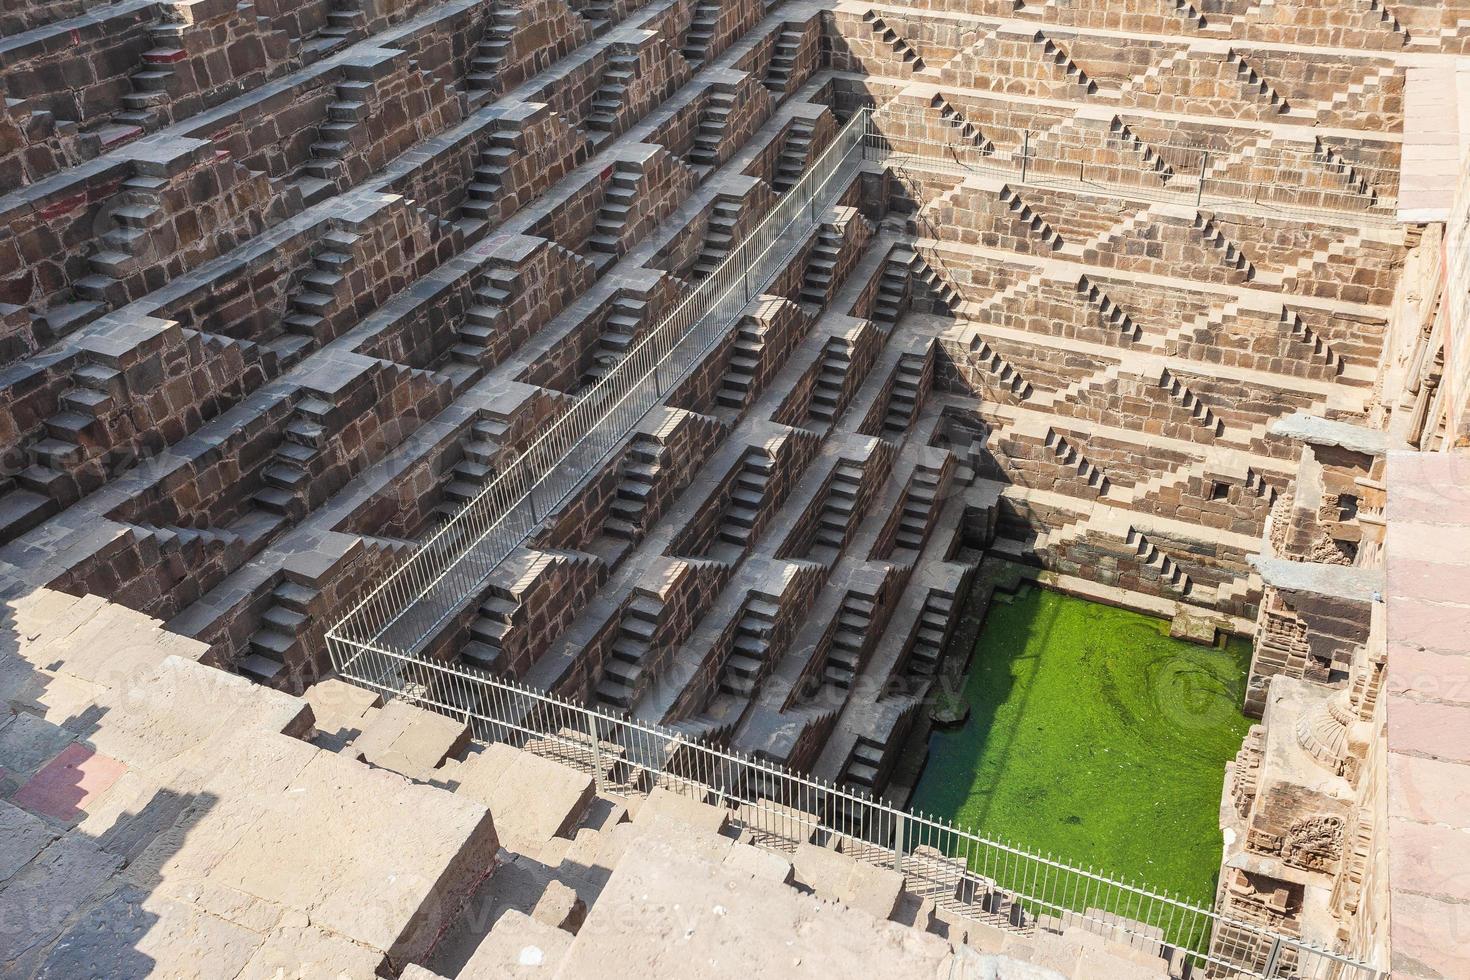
[{"x": 1096, "y": 737}]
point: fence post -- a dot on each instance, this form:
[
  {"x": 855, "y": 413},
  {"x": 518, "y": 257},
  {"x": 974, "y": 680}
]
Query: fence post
[
  {"x": 1272, "y": 958},
  {"x": 1204, "y": 166},
  {"x": 596, "y": 750},
  {"x": 900, "y": 832},
  {"x": 1025, "y": 153}
]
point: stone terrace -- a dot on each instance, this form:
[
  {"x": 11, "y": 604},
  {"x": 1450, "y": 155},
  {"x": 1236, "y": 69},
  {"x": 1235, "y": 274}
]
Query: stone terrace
[
  {"x": 165, "y": 818},
  {"x": 283, "y": 285}
]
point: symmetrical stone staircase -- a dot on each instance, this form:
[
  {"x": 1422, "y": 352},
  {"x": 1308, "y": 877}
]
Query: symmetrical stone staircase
[
  {"x": 848, "y": 639},
  {"x": 747, "y": 496},
  {"x": 279, "y": 634},
  {"x": 749, "y": 647},
  {"x": 640, "y": 469},
  {"x": 624, "y": 673}
]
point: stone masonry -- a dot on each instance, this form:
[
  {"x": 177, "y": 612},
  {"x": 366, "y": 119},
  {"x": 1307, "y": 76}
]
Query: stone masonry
[{"x": 285, "y": 284}]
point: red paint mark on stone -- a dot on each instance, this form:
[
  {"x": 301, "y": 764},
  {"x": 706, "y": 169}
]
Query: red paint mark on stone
[
  {"x": 607, "y": 173},
  {"x": 63, "y": 206},
  {"x": 76, "y": 37},
  {"x": 163, "y": 57},
  {"x": 101, "y": 192},
  {"x": 68, "y": 783}
]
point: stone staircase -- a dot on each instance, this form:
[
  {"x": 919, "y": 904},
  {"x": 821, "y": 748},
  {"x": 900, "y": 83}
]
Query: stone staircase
[
  {"x": 597, "y": 13},
  {"x": 738, "y": 381},
  {"x": 783, "y": 60},
  {"x": 493, "y": 619},
  {"x": 701, "y": 32},
  {"x": 967, "y": 132},
  {"x": 918, "y": 507},
  {"x": 624, "y": 673},
  {"x": 903, "y": 399},
  {"x": 155, "y": 82},
  {"x": 638, "y": 475},
  {"x": 1168, "y": 479},
  {"x": 607, "y": 101},
  {"x": 486, "y": 321},
  {"x": 830, "y": 533},
  {"x": 1034, "y": 223},
  {"x": 1090, "y": 292},
  {"x": 290, "y": 470},
  {"x": 849, "y": 633},
  {"x": 987, "y": 359},
  {"x": 317, "y": 296},
  {"x": 476, "y": 465},
  {"x": 1106, "y": 240},
  {"x": 492, "y": 54},
  {"x": 712, "y": 119},
  {"x": 818, "y": 280},
  {"x": 887, "y": 35},
  {"x": 56, "y": 477},
  {"x": 1198, "y": 410},
  {"x": 1053, "y": 52},
  {"x": 1353, "y": 94},
  {"x": 719, "y": 236},
  {"x": 1099, "y": 380},
  {"x": 278, "y": 638},
  {"x": 325, "y": 172},
  {"x": 749, "y": 647},
  {"x": 484, "y": 191},
  {"x": 1304, "y": 267},
  {"x": 1322, "y": 352},
  {"x": 1200, "y": 328},
  {"x": 346, "y": 22},
  {"x": 825, "y": 403},
  {"x": 1068, "y": 455},
  {"x": 620, "y": 332},
  {"x": 1334, "y": 162},
  {"x": 746, "y": 498},
  {"x": 123, "y": 250},
  {"x": 1253, "y": 86},
  {"x": 1230, "y": 253},
  {"x": 796, "y": 149},
  {"x": 1169, "y": 573},
  {"x": 864, "y": 764},
  {"x": 926, "y": 284},
  {"x": 893, "y": 287},
  {"x": 619, "y": 201},
  {"x": 929, "y": 634},
  {"x": 348, "y": 117}
]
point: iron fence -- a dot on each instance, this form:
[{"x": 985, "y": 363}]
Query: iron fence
[
  {"x": 421, "y": 593},
  {"x": 987, "y": 882}
]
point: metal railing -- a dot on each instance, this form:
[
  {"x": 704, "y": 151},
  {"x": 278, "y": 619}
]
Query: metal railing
[
  {"x": 424, "y": 591},
  {"x": 985, "y": 881}
]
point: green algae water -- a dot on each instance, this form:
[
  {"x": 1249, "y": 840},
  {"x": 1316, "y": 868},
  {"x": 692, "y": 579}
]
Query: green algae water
[{"x": 1095, "y": 736}]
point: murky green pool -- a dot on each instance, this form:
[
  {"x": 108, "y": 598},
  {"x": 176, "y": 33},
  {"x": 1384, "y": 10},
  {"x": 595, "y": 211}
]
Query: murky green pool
[{"x": 1095, "y": 736}]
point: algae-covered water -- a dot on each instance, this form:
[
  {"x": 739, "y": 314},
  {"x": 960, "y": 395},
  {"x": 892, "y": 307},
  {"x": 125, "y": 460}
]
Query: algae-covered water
[{"x": 1095, "y": 736}]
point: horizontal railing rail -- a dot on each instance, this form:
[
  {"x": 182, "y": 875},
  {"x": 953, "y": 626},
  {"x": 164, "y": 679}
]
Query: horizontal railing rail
[{"x": 987, "y": 881}]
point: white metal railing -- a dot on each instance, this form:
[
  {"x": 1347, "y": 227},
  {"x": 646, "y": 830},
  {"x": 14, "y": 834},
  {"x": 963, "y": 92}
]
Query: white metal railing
[
  {"x": 425, "y": 590},
  {"x": 992, "y": 882},
  {"x": 377, "y": 642}
]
